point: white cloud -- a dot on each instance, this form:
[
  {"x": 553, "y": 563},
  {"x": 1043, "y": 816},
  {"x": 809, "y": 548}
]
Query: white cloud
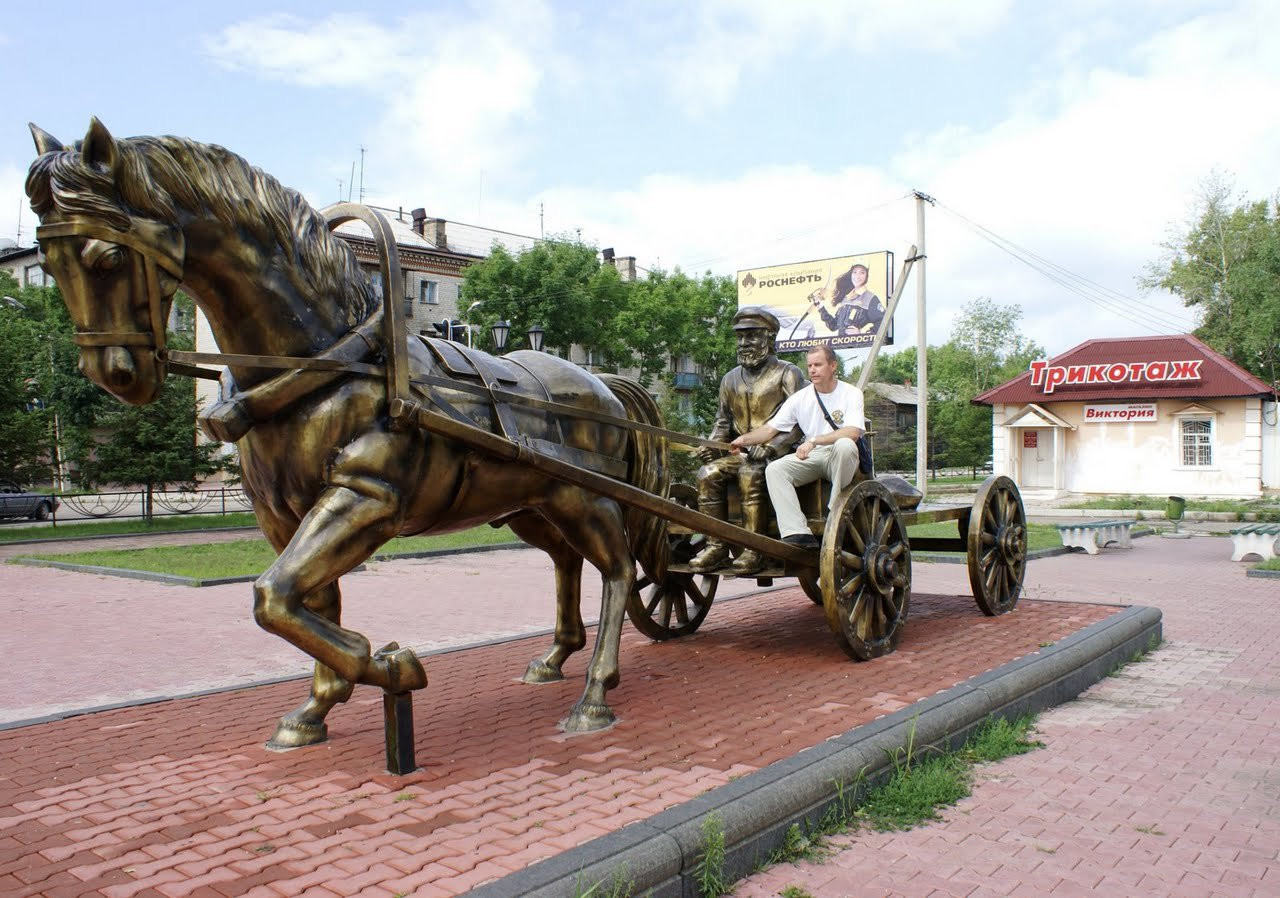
[
  {"x": 1089, "y": 174},
  {"x": 342, "y": 50},
  {"x": 449, "y": 90},
  {"x": 730, "y": 36}
]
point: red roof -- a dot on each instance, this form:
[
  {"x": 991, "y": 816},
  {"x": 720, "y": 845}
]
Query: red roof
[{"x": 1130, "y": 368}]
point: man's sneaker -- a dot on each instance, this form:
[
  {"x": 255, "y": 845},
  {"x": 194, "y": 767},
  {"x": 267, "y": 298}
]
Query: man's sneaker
[{"x": 802, "y": 541}]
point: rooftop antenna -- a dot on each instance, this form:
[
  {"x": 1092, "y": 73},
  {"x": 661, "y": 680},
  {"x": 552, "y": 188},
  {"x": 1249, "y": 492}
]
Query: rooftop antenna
[
  {"x": 542, "y": 221},
  {"x": 339, "y": 190},
  {"x": 352, "y": 181}
]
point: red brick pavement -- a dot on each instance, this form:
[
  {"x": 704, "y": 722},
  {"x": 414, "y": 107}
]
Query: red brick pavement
[
  {"x": 89, "y": 640},
  {"x": 1163, "y": 780},
  {"x": 179, "y": 798}
]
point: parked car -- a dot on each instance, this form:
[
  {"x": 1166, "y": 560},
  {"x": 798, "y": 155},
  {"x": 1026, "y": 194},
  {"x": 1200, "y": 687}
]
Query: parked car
[{"x": 17, "y": 503}]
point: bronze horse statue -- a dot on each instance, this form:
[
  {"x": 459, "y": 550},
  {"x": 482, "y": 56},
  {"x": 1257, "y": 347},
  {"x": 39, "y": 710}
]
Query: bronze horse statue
[{"x": 124, "y": 223}]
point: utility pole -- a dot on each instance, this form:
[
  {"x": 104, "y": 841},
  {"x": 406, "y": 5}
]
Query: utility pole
[
  {"x": 362, "y": 175},
  {"x": 922, "y": 354}
]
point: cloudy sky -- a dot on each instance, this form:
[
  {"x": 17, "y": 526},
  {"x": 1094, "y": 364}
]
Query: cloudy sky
[{"x": 713, "y": 134}]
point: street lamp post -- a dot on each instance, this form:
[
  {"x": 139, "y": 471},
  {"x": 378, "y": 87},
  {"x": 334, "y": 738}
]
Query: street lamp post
[{"x": 536, "y": 333}]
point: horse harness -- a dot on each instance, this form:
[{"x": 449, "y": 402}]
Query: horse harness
[{"x": 466, "y": 371}]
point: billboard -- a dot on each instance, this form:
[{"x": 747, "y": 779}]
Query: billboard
[{"x": 829, "y": 302}]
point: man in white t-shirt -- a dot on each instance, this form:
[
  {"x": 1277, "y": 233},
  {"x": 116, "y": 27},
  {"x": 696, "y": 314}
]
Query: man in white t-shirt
[{"x": 829, "y": 449}]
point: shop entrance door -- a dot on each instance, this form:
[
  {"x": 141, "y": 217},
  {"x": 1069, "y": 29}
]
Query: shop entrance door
[{"x": 1037, "y": 458}]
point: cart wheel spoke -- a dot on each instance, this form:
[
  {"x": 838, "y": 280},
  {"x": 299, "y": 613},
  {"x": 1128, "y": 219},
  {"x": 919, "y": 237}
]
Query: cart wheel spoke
[
  {"x": 850, "y": 561},
  {"x": 847, "y": 591},
  {"x": 855, "y": 538},
  {"x": 882, "y": 527},
  {"x": 681, "y": 608}
]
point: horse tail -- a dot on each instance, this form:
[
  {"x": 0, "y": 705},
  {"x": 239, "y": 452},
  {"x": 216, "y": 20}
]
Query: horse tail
[{"x": 646, "y": 469}]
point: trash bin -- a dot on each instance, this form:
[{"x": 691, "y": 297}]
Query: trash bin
[{"x": 1174, "y": 508}]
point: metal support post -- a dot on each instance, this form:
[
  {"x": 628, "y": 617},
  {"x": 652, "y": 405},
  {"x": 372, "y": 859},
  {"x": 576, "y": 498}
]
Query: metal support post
[{"x": 397, "y": 718}]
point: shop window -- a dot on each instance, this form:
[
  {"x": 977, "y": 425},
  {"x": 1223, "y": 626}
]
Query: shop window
[{"x": 1197, "y": 442}]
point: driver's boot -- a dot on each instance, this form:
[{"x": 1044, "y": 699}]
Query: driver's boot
[
  {"x": 711, "y": 558},
  {"x": 711, "y": 502},
  {"x": 753, "y": 519}
]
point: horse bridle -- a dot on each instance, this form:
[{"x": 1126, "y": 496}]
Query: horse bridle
[{"x": 149, "y": 255}]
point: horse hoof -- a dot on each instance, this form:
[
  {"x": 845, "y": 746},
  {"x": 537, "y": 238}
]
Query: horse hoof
[
  {"x": 291, "y": 734},
  {"x": 541, "y": 672},
  {"x": 589, "y": 718},
  {"x": 396, "y": 670}
]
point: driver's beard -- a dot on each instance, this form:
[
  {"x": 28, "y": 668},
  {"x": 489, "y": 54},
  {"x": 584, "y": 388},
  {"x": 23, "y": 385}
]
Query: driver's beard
[{"x": 752, "y": 358}]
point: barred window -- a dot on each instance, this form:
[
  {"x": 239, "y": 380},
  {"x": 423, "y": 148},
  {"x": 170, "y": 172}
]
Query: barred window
[{"x": 1197, "y": 442}]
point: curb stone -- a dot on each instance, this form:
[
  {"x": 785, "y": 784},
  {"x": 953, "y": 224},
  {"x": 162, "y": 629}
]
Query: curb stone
[{"x": 659, "y": 855}]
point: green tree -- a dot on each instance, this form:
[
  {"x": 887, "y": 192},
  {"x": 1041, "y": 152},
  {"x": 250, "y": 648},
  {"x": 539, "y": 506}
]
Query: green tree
[
  {"x": 40, "y": 388},
  {"x": 985, "y": 349},
  {"x": 150, "y": 445},
  {"x": 1226, "y": 266},
  {"x": 644, "y": 325},
  {"x": 557, "y": 284},
  {"x": 673, "y": 316}
]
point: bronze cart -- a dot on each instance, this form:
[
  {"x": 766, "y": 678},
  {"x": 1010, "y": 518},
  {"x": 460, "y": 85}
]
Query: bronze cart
[{"x": 861, "y": 575}]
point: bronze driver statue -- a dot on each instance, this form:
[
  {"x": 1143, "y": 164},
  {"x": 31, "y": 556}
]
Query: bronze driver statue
[{"x": 750, "y": 395}]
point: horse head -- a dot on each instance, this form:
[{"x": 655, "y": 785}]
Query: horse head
[{"x": 117, "y": 269}]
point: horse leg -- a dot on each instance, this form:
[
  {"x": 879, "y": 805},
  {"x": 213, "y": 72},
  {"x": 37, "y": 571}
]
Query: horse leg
[
  {"x": 595, "y": 528},
  {"x": 570, "y": 634},
  {"x": 355, "y": 516},
  {"x": 305, "y": 724}
]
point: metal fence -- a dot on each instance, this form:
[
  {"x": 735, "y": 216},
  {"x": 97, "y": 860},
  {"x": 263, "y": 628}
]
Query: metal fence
[{"x": 134, "y": 504}]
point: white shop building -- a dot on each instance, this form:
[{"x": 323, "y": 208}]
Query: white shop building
[{"x": 1147, "y": 415}]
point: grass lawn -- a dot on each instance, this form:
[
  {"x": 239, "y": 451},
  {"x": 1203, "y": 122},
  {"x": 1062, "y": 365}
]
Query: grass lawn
[
  {"x": 1266, "y": 509},
  {"x": 250, "y": 557},
  {"x": 166, "y": 524},
  {"x": 1039, "y": 536},
  {"x": 1271, "y": 564}
]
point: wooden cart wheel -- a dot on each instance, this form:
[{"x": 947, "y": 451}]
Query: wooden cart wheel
[
  {"x": 812, "y": 586},
  {"x": 866, "y": 571},
  {"x": 675, "y": 606},
  {"x": 997, "y": 545}
]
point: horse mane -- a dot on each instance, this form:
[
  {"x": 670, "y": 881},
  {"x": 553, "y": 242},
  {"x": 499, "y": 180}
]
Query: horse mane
[{"x": 161, "y": 177}]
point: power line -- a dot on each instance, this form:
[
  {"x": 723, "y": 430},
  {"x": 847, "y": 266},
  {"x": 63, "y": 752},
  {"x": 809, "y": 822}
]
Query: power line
[{"x": 1108, "y": 300}]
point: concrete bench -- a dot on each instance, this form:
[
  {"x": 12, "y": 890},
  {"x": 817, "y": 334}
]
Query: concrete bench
[
  {"x": 1094, "y": 535},
  {"x": 1254, "y": 539}
]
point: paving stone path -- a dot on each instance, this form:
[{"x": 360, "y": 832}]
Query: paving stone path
[
  {"x": 179, "y": 798},
  {"x": 1162, "y": 780}
]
